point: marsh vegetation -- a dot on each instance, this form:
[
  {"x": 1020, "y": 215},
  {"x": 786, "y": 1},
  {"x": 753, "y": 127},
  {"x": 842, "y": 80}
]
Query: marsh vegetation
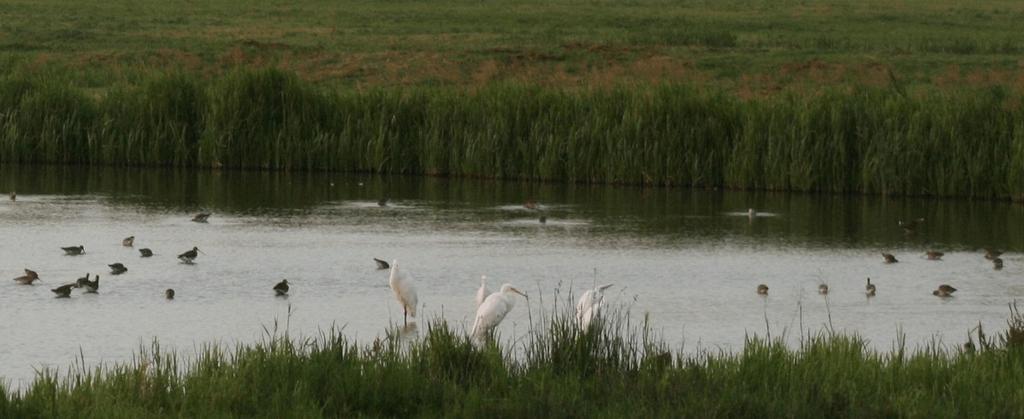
[{"x": 614, "y": 368}]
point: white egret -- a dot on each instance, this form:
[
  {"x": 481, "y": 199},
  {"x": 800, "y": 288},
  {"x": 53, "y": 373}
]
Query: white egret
[
  {"x": 589, "y": 305},
  {"x": 483, "y": 292},
  {"x": 405, "y": 292},
  {"x": 493, "y": 310}
]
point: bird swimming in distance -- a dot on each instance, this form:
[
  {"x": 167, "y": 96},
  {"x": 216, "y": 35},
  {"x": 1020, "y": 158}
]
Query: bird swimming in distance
[
  {"x": 401, "y": 283},
  {"x": 934, "y": 255},
  {"x": 493, "y": 310},
  {"x": 128, "y": 241},
  {"x": 201, "y": 217},
  {"x": 889, "y": 258},
  {"x": 383, "y": 202},
  {"x": 531, "y": 205},
  {"x": 117, "y": 269},
  {"x": 145, "y": 252},
  {"x": 281, "y": 288},
  {"x": 997, "y": 264},
  {"x": 74, "y": 251},
  {"x": 169, "y": 294},
  {"x": 482, "y": 292},
  {"x": 63, "y": 291},
  {"x": 27, "y": 279},
  {"x": 91, "y": 287},
  {"x": 762, "y": 289},
  {"x": 190, "y": 256},
  {"x": 588, "y": 307},
  {"x": 992, "y": 254},
  {"x": 870, "y": 288},
  {"x": 910, "y": 226},
  {"x": 944, "y": 291},
  {"x": 381, "y": 264},
  {"x": 543, "y": 219},
  {"x": 823, "y": 289}
]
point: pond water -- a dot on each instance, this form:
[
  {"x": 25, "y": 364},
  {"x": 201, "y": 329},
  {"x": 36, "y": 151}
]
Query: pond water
[{"x": 690, "y": 260}]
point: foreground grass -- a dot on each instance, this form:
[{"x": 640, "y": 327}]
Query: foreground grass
[
  {"x": 561, "y": 372},
  {"x": 747, "y": 46},
  {"x": 966, "y": 143}
]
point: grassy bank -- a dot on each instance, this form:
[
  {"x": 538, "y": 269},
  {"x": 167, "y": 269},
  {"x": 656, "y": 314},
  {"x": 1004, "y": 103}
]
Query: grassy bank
[
  {"x": 967, "y": 143},
  {"x": 752, "y": 47},
  {"x": 617, "y": 371}
]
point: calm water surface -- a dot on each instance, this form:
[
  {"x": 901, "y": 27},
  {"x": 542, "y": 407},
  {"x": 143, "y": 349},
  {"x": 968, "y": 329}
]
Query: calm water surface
[{"x": 691, "y": 260}]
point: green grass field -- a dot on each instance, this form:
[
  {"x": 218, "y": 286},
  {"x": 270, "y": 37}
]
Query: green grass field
[
  {"x": 560, "y": 371},
  {"x": 751, "y": 47}
]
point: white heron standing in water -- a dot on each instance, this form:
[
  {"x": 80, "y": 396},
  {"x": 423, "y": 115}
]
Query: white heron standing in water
[
  {"x": 483, "y": 292},
  {"x": 589, "y": 305},
  {"x": 493, "y": 310},
  {"x": 405, "y": 292}
]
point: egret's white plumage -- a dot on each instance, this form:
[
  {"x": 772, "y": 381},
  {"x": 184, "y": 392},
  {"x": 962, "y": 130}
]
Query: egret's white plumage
[
  {"x": 493, "y": 310},
  {"x": 405, "y": 292},
  {"x": 483, "y": 292},
  {"x": 589, "y": 305}
]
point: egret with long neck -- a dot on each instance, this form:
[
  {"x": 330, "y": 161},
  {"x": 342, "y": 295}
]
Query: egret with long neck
[
  {"x": 401, "y": 283},
  {"x": 589, "y": 306},
  {"x": 493, "y": 310}
]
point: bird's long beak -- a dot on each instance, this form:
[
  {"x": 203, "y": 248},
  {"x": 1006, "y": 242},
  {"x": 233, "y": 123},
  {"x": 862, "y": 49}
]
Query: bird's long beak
[
  {"x": 521, "y": 293},
  {"x": 604, "y": 287}
]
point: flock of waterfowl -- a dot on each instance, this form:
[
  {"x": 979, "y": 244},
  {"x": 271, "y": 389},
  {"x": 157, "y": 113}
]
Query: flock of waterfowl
[
  {"x": 909, "y": 227},
  {"x": 118, "y": 268},
  {"x": 492, "y": 307}
]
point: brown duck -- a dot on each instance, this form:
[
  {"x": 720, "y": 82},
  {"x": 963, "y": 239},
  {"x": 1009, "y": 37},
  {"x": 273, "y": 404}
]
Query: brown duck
[
  {"x": 944, "y": 291},
  {"x": 27, "y": 279}
]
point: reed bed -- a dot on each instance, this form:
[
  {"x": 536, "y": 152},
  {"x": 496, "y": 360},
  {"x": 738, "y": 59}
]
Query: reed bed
[
  {"x": 948, "y": 143},
  {"x": 614, "y": 369}
]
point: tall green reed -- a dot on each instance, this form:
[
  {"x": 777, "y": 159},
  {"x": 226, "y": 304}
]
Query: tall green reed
[
  {"x": 614, "y": 368},
  {"x": 964, "y": 143}
]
